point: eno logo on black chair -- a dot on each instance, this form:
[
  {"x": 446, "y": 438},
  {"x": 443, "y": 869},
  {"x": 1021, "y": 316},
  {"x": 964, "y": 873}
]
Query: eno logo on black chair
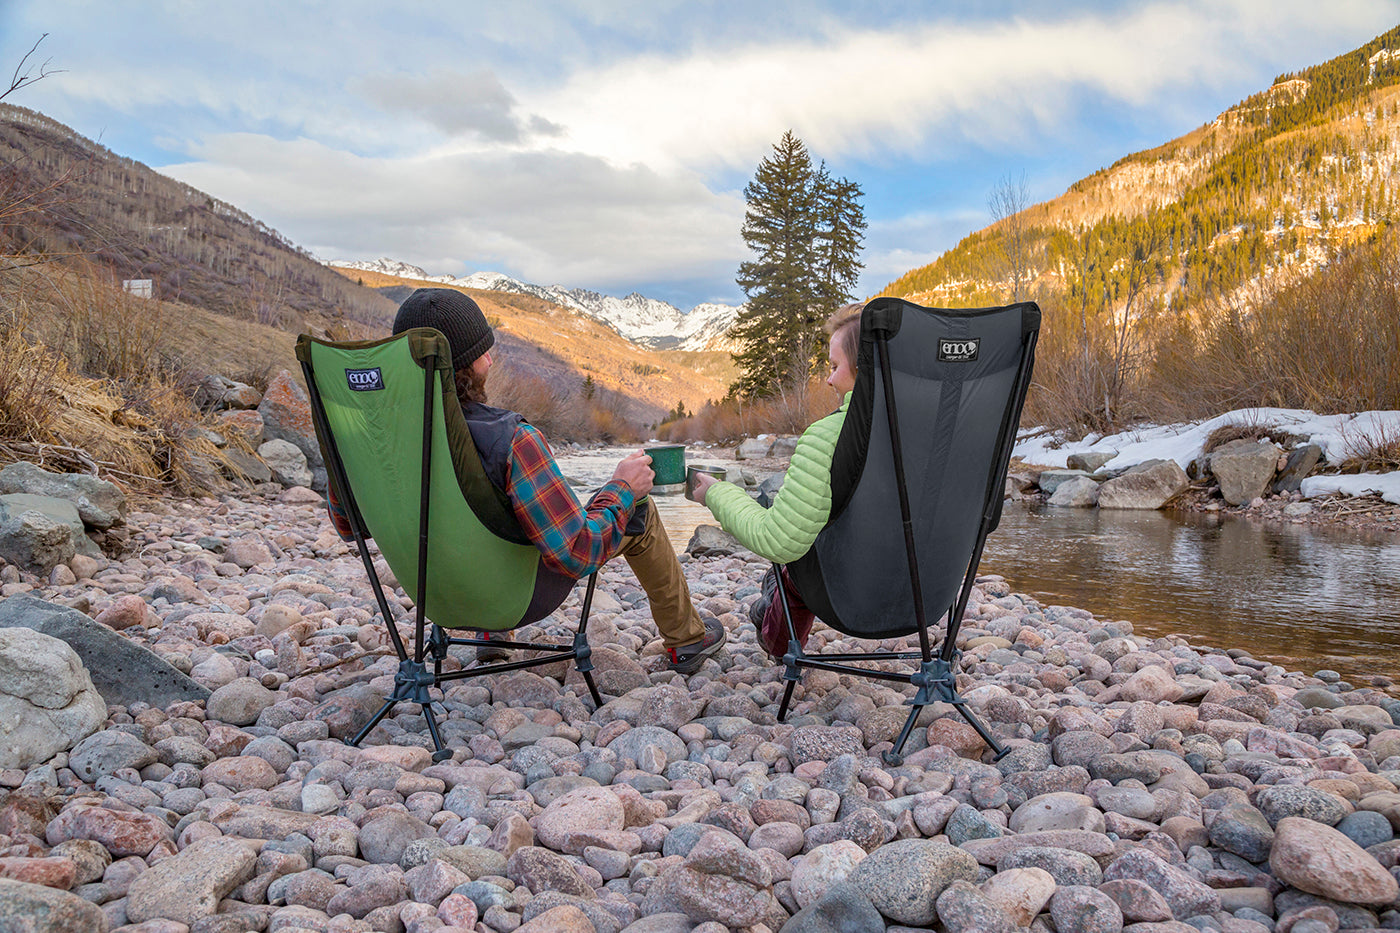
[
  {"x": 364, "y": 380},
  {"x": 958, "y": 351}
]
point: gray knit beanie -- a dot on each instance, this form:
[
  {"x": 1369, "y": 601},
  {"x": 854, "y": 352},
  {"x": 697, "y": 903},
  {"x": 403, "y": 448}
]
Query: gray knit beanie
[{"x": 452, "y": 313}]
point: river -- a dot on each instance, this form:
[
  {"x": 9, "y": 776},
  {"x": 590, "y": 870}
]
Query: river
[{"x": 1302, "y": 596}]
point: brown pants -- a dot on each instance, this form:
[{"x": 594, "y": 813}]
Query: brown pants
[{"x": 653, "y": 560}]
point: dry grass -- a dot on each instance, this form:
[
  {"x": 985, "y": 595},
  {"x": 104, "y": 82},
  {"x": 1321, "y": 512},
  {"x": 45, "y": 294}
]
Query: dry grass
[
  {"x": 1246, "y": 431},
  {"x": 733, "y": 419},
  {"x": 1375, "y": 449},
  {"x": 28, "y": 372},
  {"x": 91, "y": 383},
  {"x": 1326, "y": 342},
  {"x": 563, "y": 414}
]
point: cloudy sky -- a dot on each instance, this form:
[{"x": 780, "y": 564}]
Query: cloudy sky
[{"x": 606, "y": 144}]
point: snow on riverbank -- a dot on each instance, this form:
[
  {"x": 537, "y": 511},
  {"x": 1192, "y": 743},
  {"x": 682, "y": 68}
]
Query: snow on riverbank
[{"x": 1339, "y": 436}]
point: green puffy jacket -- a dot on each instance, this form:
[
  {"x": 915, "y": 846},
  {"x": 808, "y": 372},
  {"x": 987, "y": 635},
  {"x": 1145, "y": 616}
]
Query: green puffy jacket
[{"x": 786, "y": 531}]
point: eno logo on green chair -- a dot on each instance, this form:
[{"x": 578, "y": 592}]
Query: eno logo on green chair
[{"x": 364, "y": 380}]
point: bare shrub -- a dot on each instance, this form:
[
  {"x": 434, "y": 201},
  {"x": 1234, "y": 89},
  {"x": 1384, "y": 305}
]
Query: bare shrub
[
  {"x": 1326, "y": 342},
  {"x": 28, "y": 373},
  {"x": 1374, "y": 448},
  {"x": 1245, "y": 430},
  {"x": 733, "y": 419}
]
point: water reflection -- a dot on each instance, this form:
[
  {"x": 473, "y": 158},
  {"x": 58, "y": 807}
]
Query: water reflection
[{"x": 1302, "y": 596}]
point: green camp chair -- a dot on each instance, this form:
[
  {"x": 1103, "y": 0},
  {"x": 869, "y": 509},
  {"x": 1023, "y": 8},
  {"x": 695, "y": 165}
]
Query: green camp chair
[{"x": 402, "y": 464}]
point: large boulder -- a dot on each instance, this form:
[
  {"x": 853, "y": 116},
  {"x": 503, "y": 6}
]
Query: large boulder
[
  {"x": 783, "y": 446},
  {"x": 1050, "y": 480},
  {"x": 47, "y": 701},
  {"x": 100, "y": 504},
  {"x": 121, "y": 670},
  {"x": 287, "y": 463},
  {"x": 245, "y": 424},
  {"x": 246, "y": 467},
  {"x": 754, "y": 448},
  {"x": 25, "y": 907},
  {"x": 286, "y": 414},
  {"x": 1244, "y": 468},
  {"x": 188, "y": 886},
  {"x": 1301, "y": 461},
  {"x": 1079, "y": 492},
  {"x": 1089, "y": 460},
  {"x": 37, "y": 533},
  {"x": 216, "y": 392},
  {"x": 712, "y": 541},
  {"x": 1146, "y": 486}
]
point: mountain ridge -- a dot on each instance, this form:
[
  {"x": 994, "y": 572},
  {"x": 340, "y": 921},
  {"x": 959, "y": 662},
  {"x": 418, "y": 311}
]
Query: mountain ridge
[
  {"x": 647, "y": 322},
  {"x": 1274, "y": 184}
]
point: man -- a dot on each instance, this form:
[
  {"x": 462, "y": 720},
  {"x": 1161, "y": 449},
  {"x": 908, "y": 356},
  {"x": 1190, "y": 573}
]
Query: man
[{"x": 574, "y": 540}]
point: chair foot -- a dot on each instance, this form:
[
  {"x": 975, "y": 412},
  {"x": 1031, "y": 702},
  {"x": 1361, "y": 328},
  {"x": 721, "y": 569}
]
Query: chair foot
[
  {"x": 893, "y": 759},
  {"x": 787, "y": 698},
  {"x": 442, "y": 754}
]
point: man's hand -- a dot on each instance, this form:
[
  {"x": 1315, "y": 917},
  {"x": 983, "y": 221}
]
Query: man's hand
[{"x": 635, "y": 470}]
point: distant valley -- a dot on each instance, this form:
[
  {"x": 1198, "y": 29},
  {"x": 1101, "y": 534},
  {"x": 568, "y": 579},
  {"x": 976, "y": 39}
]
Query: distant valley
[{"x": 646, "y": 322}]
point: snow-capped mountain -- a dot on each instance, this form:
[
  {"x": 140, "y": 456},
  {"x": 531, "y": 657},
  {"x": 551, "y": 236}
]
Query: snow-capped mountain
[
  {"x": 647, "y": 322},
  {"x": 387, "y": 266}
]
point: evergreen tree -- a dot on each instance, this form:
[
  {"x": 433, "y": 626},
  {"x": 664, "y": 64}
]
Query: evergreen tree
[
  {"x": 839, "y": 232},
  {"x": 805, "y": 230}
]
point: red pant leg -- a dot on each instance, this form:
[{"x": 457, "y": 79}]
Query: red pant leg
[{"x": 774, "y": 633}]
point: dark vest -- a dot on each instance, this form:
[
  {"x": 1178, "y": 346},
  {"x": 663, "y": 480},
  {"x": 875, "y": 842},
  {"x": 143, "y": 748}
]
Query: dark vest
[{"x": 493, "y": 430}]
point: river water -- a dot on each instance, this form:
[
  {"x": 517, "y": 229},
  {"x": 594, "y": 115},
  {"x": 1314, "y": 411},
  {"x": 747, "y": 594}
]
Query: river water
[{"x": 1304, "y": 597}]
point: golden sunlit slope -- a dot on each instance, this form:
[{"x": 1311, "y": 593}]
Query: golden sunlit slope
[
  {"x": 1276, "y": 184},
  {"x": 543, "y": 339}
]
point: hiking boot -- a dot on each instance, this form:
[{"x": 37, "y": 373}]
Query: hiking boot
[
  {"x": 759, "y": 607},
  {"x": 489, "y": 654},
  {"x": 688, "y": 658}
]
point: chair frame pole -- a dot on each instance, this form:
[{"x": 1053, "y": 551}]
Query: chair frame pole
[{"x": 361, "y": 535}]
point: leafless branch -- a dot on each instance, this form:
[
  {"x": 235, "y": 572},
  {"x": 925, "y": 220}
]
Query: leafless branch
[
  {"x": 25, "y": 72},
  {"x": 1008, "y": 204}
]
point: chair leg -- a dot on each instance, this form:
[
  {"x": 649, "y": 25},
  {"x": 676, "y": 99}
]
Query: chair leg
[
  {"x": 787, "y": 698},
  {"x": 894, "y": 756},
  {"x": 583, "y": 654},
  {"x": 936, "y": 680},
  {"x": 439, "y": 753},
  {"x": 411, "y": 683},
  {"x": 359, "y": 737}
]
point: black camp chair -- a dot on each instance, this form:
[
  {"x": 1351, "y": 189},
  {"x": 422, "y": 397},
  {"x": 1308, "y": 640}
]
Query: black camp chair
[
  {"x": 924, "y": 448},
  {"x": 401, "y": 461}
]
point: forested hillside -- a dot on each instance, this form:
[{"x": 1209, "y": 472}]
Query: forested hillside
[
  {"x": 1166, "y": 244},
  {"x": 74, "y": 197}
]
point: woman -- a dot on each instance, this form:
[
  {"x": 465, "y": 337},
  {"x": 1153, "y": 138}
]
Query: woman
[{"x": 802, "y": 506}]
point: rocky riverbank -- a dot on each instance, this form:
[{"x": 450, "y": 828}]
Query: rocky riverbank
[{"x": 1150, "y": 786}]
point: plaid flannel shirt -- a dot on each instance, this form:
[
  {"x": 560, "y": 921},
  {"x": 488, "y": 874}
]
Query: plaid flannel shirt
[{"x": 572, "y": 539}]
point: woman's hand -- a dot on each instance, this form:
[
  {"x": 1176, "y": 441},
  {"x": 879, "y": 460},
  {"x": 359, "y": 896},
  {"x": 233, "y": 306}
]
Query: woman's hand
[{"x": 703, "y": 482}]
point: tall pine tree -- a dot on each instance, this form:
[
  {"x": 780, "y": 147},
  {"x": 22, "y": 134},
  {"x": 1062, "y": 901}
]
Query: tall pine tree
[{"x": 805, "y": 230}]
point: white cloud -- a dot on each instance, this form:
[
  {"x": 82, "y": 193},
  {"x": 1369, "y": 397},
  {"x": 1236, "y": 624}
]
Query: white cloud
[
  {"x": 904, "y": 89},
  {"x": 549, "y": 216}
]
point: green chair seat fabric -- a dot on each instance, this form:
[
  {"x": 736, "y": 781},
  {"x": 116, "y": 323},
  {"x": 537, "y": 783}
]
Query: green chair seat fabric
[{"x": 482, "y": 572}]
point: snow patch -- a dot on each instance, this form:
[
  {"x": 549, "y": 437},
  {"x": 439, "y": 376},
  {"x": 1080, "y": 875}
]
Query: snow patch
[{"x": 1338, "y": 435}]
